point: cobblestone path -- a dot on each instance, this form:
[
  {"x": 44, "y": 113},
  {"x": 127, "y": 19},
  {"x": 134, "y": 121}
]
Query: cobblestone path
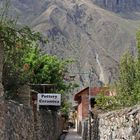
[{"x": 72, "y": 135}]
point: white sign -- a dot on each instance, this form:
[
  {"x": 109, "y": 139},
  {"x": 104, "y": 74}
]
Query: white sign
[{"x": 49, "y": 99}]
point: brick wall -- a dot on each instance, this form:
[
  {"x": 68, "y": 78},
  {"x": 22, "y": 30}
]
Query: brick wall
[
  {"x": 85, "y": 106},
  {"x": 82, "y": 111},
  {"x": 79, "y": 119}
]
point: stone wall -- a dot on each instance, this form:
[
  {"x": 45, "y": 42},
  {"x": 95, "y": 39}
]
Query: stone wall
[
  {"x": 16, "y": 122},
  {"x": 117, "y": 125},
  {"x": 121, "y": 125},
  {"x": 19, "y": 122},
  {"x": 49, "y": 125}
]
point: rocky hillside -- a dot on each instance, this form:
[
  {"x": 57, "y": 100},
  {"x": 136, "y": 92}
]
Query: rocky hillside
[
  {"x": 119, "y": 5},
  {"x": 95, "y": 33},
  {"x": 126, "y": 8}
]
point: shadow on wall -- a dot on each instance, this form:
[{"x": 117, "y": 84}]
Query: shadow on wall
[
  {"x": 95, "y": 128},
  {"x": 79, "y": 129},
  {"x": 85, "y": 130}
]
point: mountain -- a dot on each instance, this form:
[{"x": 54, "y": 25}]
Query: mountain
[
  {"x": 126, "y": 8},
  {"x": 119, "y": 5},
  {"x": 95, "y": 33}
]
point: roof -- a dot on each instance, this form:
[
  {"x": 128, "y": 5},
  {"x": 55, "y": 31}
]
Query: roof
[
  {"x": 93, "y": 92},
  {"x": 77, "y": 95}
]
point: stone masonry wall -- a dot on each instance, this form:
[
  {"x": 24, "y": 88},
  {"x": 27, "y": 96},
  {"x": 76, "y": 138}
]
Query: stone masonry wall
[
  {"x": 49, "y": 125},
  {"x": 16, "y": 122},
  {"x": 121, "y": 125},
  {"x": 116, "y": 125}
]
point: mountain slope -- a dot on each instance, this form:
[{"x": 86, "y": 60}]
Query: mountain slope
[
  {"x": 119, "y": 5},
  {"x": 94, "y": 36}
]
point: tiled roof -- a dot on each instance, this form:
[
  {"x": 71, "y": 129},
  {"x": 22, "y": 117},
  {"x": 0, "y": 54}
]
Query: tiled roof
[{"x": 93, "y": 92}]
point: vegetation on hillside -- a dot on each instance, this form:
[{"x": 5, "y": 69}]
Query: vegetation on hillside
[{"x": 128, "y": 84}]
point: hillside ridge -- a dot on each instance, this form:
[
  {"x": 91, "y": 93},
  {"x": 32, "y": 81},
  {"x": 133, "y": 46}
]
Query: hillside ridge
[{"x": 95, "y": 33}]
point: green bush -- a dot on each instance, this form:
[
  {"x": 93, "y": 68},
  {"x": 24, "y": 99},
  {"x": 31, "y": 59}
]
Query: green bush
[{"x": 127, "y": 85}]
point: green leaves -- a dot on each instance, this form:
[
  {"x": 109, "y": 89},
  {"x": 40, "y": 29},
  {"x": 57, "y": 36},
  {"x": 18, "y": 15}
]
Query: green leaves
[
  {"x": 128, "y": 84},
  {"x": 25, "y": 63},
  {"x": 106, "y": 102},
  {"x": 129, "y": 78},
  {"x": 47, "y": 69}
]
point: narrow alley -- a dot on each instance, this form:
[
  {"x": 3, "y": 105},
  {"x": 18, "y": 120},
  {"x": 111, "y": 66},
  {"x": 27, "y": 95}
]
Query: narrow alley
[{"x": 72, "y": 135}]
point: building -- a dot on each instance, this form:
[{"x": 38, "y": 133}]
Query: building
[{"x": 82, "y": 99}]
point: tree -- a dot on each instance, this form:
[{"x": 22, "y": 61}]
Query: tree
[
  {"x": 126, "y": 80},
  {"x": 137, "y": 82},
  {"x": 128, "y": 83},
  {"x": 17, "y": 42},
  {"x": 25, "y": 62}
]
